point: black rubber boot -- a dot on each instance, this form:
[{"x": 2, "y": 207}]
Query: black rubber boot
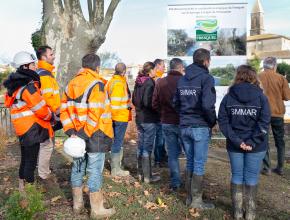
[
  {"x": 237, "y": 201},
  {"x": 188, "y": 177},
  {"x": 196, "y": 194},
  {"x": 250, "y": 201}
]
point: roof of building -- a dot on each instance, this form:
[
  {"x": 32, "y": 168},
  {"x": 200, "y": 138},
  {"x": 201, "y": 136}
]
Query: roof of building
[
  {"x": 265, "y": 37},
  {"x": 282, "y": 54},
  {"x": 257, "y": 7}
]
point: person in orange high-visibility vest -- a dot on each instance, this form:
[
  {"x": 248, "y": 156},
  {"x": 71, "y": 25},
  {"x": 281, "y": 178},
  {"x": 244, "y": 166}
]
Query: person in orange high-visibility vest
[
  {"x": 50, "y": 92},
  {"x": 30, "y": 115},
  {"x": 85, "y": 112},
  {"x": 120, "y": 99}
]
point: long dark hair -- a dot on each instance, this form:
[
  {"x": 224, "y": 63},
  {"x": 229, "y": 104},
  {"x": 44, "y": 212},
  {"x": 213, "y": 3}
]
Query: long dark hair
[
  {"x": 246, "y": 73},
  {"x": 147, "y": 67}
]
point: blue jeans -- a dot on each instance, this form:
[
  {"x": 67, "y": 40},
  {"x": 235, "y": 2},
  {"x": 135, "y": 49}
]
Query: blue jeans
[
  {"x": 195, "y": 142},
  {"x": 159, "y": 146},
  {"x": 246, "y": 167},
  {"x": 146, "y": 136},
  {"x": 119, "y": 134},
  {"x": 172, "y": 136},
  {"x": 93, "y": 164}
]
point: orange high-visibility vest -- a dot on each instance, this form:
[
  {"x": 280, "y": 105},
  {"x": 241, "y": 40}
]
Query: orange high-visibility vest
[
  {"x": 28, "y": 109},
  {"x": 85, "y": 106},
  {"x": 120, "y": 98},
  {"x": 49, "y": 86}
]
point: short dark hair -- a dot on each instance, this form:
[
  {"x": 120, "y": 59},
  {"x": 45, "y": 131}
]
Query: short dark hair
[
  {"x": 120, "y": 68},
  {"x": 158, "y": 61},
  {"x": 91, "y": 61},
  {"x": 201, "y": 55},
  {"x": 175, "y": 63},
  {"x": 41, "y": 51}
]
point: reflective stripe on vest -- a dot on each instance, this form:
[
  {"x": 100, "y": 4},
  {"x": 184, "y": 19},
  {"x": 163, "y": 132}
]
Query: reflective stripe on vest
[
  {"x": 116, "y": 107},
  {"x": 49, "y": 90},
  {"x": 19, "y": 104},
  {"x": 22, "y": 114},
  {"x": 38, "y": 106}
]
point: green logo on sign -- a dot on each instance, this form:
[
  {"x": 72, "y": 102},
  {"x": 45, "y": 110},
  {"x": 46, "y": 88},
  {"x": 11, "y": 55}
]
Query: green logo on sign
[{"x": 206, "y": 30}]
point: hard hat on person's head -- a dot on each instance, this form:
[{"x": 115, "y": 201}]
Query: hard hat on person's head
[
  {"x": 75, "y": 147},
  {"x": 22, "y": 58}
]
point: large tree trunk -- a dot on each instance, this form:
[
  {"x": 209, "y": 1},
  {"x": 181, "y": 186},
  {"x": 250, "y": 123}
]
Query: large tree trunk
[{"x": 65, "y": 29}]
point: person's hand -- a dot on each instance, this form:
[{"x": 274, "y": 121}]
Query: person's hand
[{"x": 246, "y": 147}]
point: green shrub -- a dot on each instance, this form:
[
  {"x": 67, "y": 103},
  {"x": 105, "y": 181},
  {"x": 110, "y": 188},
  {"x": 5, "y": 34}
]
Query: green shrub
[
  {"x": 284, "y": 69},
  {"x": 25, "y": 206}
]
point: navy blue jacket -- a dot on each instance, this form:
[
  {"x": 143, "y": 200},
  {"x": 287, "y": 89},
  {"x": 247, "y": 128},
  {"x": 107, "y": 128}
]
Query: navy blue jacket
[
  {"x": 244, "y": 116},
  {"x": 195, "y": 98}
]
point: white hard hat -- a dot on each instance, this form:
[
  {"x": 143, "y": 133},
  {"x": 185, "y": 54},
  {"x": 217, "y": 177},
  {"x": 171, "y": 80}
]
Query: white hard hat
[
  {"x": 75, "y": 147},
  {"x": 22, "y": 58}
]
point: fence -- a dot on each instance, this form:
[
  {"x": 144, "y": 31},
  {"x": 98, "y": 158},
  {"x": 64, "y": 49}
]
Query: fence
[{"x": 5, "y": 120}]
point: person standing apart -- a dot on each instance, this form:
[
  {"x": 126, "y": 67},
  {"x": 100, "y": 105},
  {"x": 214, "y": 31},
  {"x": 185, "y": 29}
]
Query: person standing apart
[
  {"x": 195, "y": 102},
  {"x": 50, "y": 92},
  {"x": 120, "y": 99},
  {"x": 244, "y": 118},
  {"x": 162, "y": 102},
  {"x": 85, "y": 113},
  {"x": 30, "y": 115},
  {"x": 146, "y": 120},
  {"x": 277, "y": 90}
]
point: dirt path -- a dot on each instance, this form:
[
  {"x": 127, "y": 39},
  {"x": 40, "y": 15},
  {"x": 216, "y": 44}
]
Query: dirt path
[{"x": 133, "y": 200}]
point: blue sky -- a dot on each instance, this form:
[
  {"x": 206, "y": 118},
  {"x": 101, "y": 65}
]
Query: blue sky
[{"x": 137, "y": 32}]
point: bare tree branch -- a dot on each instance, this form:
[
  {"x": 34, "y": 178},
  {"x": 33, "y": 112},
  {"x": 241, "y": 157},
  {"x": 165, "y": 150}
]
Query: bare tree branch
[
  {"x": 109, "y": 16},
  {"x": 90, "y": 10},
  {"x": 98, "y": 12},
  {"x": 60, "y": 5},
  {"x": 103, "y": 28},
  {"x": 67, "y": 5}
]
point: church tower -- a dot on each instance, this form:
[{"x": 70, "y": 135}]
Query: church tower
[{"x": 257, "y": 19}]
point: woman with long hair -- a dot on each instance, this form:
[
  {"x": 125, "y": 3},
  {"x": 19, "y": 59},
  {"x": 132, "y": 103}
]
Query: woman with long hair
[
  {"x": 146, "y": 121},
  {"x": 244, "y": 118}
]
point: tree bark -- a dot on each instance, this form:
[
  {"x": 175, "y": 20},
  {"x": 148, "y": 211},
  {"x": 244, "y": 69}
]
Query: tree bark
[{"x": 65, "y": 29}]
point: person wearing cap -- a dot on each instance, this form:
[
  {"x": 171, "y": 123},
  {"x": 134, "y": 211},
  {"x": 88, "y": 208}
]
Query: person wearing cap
[{"x": 30, "y": 115}]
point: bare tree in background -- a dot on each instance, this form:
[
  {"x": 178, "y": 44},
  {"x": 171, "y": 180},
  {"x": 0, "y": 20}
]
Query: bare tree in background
[{"x": 66, "y": 30}]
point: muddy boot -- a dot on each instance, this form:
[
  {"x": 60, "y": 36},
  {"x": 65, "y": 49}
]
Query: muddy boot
[
  {"x": 237, "y": 201},
  {"x": 196, "y": 194},
  {"x": 97, "y": 206},
  {"x": 78, "y": 202},
  {"x": 115, "y": 166},
  {"x": 49, "y": 184},
  {"x": 122, "y": 158},
  {"x": 153, "y": 178},
  {"x": 188, "y": 177},
  {"x": 21, "y": 185},
  {"x": 139, "y": 168},
  {"x": 250, "y": 202},
  {"x": 146, "y": 169}
]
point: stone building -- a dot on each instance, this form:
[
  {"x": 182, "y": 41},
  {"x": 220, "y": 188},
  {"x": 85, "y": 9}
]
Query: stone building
[{"x": 262, "y": 44}]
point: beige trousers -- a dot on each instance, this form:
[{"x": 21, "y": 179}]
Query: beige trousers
[{"x": 45, "y": 152}]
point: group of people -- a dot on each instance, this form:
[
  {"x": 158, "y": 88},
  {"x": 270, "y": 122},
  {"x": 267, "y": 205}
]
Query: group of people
[{"x": 178, "y": 108}]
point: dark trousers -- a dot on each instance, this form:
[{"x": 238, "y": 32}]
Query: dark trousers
[
  {"x": 28, "y": 162},
  {"x": 277, "y": 125},
  {"x": 159, "y": 145}
]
